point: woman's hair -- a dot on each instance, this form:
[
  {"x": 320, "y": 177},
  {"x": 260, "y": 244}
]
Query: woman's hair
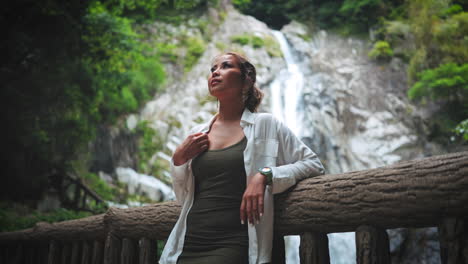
[{"x": 252, "y": 97}]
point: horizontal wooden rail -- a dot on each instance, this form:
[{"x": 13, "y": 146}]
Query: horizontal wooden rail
[
  {"x": 415, "y": 193},
  {"x": 89, "y": 228}
]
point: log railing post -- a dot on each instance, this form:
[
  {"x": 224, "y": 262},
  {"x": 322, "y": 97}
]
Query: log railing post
[
  {"x": 314, "y": 248},
  {"x": 372, "y": 246},
  {"x": 128, "y": 253},
  {"x": 17, "y": 257},
  {"x": 43, "y": 252},
  {"x": 75, "y": 252},
  {"x": 112, "y": 249},
  {"x": 3, "y": 253},
  {"x": 148, "y": 250},
  {"x": 453, "y": 238},
  {"x": 278, "y": 255},
  {"x": 98, "y": 252},
  {"x": 86, "y": 253},
  {"x": 31, "y": 253},
  {"x": 66, "y": 253},
  {"x": 54, "y": 253}
]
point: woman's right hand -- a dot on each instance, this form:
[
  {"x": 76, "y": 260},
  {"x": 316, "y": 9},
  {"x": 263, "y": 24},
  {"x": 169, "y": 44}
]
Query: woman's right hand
[{"x": 192, "y": 146}]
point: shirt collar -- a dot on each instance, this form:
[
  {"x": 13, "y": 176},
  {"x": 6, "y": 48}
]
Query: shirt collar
[{"x": 247, "y": 118}]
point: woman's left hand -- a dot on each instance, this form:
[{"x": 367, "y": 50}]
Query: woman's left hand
[{"x": 252, "y": 201}]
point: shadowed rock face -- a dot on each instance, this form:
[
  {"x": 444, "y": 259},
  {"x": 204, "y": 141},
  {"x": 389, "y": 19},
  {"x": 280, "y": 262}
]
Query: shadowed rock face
[{"x": 112, "y": 148}]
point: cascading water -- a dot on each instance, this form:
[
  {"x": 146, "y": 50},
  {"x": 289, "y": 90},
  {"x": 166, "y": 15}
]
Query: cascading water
[{"x": 286, "y": 90}]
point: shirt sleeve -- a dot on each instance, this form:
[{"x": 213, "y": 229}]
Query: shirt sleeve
[
  {"x": 296, "y": 161},
  {"x": 180, "y": 176}
]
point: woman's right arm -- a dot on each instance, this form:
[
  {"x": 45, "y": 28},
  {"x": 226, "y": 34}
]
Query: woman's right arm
[{"x": 193, "y": 145}]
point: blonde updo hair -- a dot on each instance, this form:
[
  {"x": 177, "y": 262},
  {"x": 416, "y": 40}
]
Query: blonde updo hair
[{"x": 253, "y": 96}]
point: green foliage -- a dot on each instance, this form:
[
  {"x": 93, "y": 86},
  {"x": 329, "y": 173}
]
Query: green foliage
[
  {"x": 241, "y": 39},
  {"x": 98, "y": 185},
  {"x": 448, "y": 81},
  {"x": 381, "y": 51},
  {"x": 149, "y": 143},
  {"x": 124, "y": 69},
  {"x": 167, "y": 51},
  {"x": 395, "y": 30},
  {"x": 437, "y": 34},
  {"x": 13, "y": 218},
  {"x": 269, "y": 43},
  {"x": 257, "y": 42},
  {"x": 241, "y": 2},
  {"x": 346, "y": 16},
  {"x": 171, "y": 11},
  {"x": 363, "y": 12},
  {"x": 451, "y": 10},
  {"x": 438, "y": 70},
  {"x": 161, "y": 245},
  {"x": 221, "y": 46},
  {"x": 253, "y": 40},
  {"x": 272, "y": 47},
  {"x": 195, "y": 48},
  {"x": 462, "y": 129},
  {"x": 451, "y": 36}
]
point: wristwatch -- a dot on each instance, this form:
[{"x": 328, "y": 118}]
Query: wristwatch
[{"x": 268, "y": 174}]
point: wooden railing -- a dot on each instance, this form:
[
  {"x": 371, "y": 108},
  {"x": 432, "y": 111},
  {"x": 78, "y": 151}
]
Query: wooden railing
[
  {"x": 81, "y": 194},
  {"x": 421, "y": 193}
]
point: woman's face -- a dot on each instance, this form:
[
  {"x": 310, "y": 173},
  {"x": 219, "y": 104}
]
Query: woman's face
[{"x": 225, "y": 79}]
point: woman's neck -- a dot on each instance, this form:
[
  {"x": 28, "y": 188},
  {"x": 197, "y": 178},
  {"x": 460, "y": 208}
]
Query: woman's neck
[{"x": 230, "y": 111}]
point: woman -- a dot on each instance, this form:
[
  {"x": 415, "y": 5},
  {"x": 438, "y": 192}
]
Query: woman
[{"x": 226, "y": 172}]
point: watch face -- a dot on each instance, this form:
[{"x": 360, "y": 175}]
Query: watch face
[{"x": 266, "y": 170}]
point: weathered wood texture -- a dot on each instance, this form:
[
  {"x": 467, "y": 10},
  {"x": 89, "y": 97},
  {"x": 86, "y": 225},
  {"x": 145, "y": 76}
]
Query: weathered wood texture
[
  {"x": 75, "y": 253},
  {"x": 143, "y": 221},
  {"x": 453, "y": 238},
  {"x": 112, "y": 249},
  {"x": 372, "y": 246},
  {"x": 128, "y": 254},
  {"x": 66, "y": 253},
  {"x": 147, "y": 251},
  {"x": 54, "y": 253},
  {"x": 407, "y": 194},
  {"x": 98, "y": 252},
  {"x": 89, "y": 228},
  {"x": 314, "y": 248},
  {"x": 86, "y": 253}
]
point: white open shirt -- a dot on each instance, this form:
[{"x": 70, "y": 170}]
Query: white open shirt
[{"x": 269, "y": 144}]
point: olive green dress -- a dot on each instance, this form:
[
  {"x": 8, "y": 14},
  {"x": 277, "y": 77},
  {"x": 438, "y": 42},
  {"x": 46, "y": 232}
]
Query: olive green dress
[{"x": 214, "y": 231}]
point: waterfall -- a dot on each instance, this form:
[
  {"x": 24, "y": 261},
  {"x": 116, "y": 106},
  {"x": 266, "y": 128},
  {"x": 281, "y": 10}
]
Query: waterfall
[{"x": 286, "y": 90}]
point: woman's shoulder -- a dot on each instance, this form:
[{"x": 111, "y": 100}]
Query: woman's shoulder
[{"x": 267, "y": 119}]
